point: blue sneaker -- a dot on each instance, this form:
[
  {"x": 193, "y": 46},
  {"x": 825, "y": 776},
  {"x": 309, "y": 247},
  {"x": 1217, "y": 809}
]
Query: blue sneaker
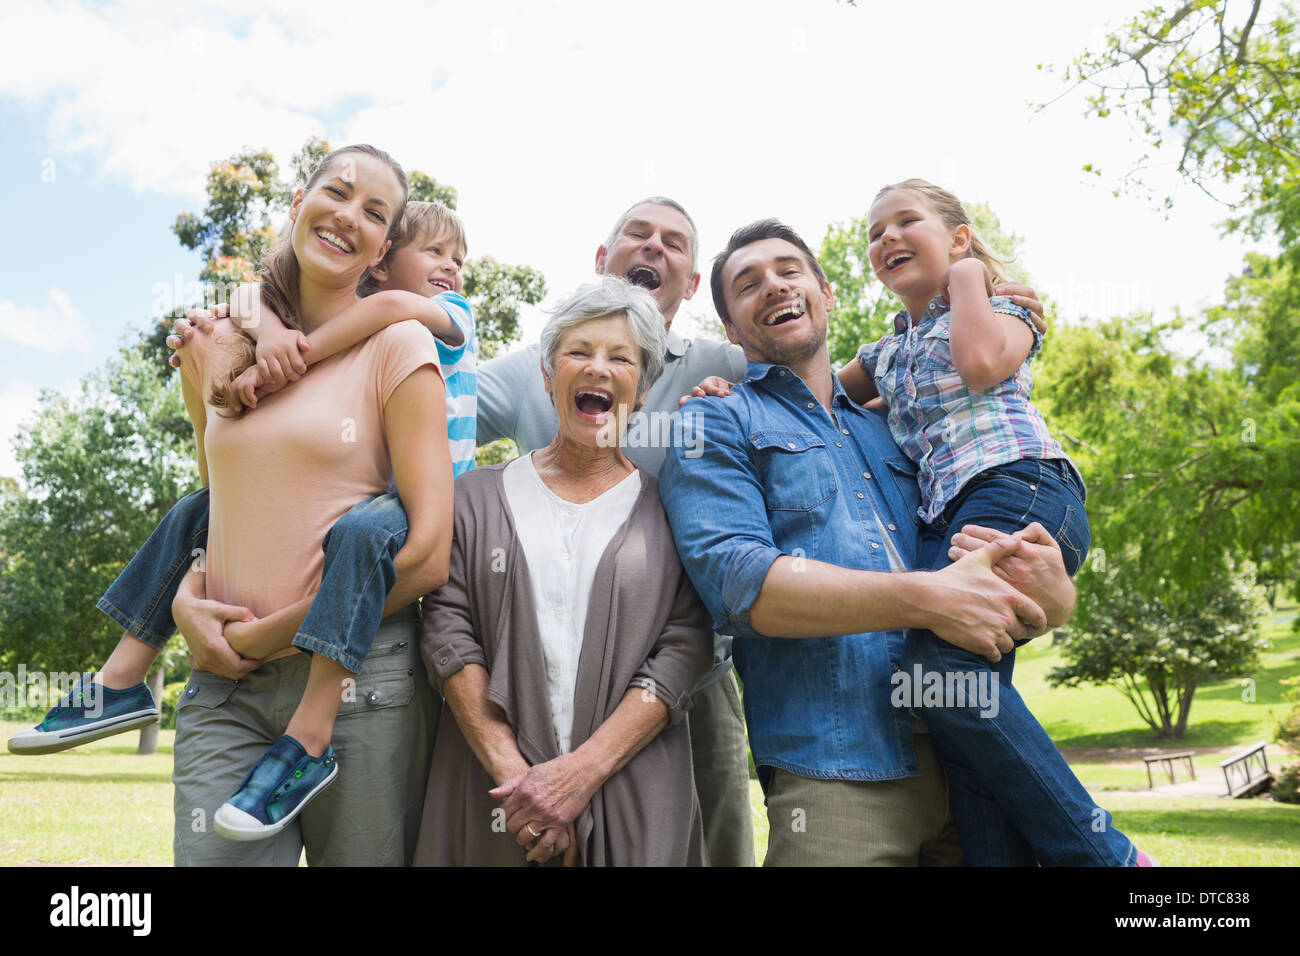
[
  {"x": 89, "y": 712},
  {"x": 280, "y": 784}
]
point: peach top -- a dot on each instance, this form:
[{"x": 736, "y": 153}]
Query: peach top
[{"x": 284, "y": 473}]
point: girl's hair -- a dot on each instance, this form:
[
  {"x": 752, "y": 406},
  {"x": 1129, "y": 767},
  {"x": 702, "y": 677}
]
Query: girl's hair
[
  {"x": 278, "y": 277},
  {"x": 949, "y": 208}
]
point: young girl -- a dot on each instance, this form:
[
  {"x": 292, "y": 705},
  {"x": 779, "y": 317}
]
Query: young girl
[
  {"x": 281, "y": 479},
  {"x": 955, "y": 375}
]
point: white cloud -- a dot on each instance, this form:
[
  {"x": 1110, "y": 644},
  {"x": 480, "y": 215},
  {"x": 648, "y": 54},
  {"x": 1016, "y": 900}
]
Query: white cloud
[
  {"x": 550, "y": 117},
  {"x": 56, "y": 325}
]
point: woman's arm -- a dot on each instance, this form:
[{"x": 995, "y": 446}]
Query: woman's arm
[
  {"x": 483, "y": 723},
  {"x": 199, "y": 419},
  {"x": 987, "y": 346},
  {"x": 192, "y": 363},
  {"x": 415, "y": 431}
]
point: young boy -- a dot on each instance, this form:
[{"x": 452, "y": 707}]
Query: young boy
[{"x": 420, "y": 277}]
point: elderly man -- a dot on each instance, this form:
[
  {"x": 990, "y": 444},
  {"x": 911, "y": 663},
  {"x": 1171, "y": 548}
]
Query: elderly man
[{"x": 797, "y": 521}]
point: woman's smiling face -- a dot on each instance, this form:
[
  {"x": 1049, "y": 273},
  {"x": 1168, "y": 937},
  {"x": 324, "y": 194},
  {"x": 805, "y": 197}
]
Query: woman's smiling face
[
  {"x": 597, "y": 371},
  {"x": 341, "y": 224}
]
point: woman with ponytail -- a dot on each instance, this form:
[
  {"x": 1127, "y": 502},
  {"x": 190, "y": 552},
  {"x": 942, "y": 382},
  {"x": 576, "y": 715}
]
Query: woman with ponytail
[{"x": 368, "y": 417}]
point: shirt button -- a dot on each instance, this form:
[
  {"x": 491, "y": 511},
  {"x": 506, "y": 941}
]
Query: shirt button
[
  {"x": 892, "y": 528},
  {"x": 372, "y": 697},
  {"x": 866, "y": 475},
  {"x": 1033, "y": 487},
  {"x": 810, "y": 404},
  {"x": 790, "y": 445},
  {"x": 565, "y": 557},
  {"x": 860, "y": 495},
  {"x": 874, "y": 546},
  {"x": 839, "y": 444},
  {"x": 844, "y": 430}
]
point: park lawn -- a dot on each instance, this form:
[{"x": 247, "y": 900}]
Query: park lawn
[
  {"x": 1209, "y": 831},
  {"x": 100, "y": 804},
  {"x": 103, "y": 804},
  {"x": 1092, "y": 716}
]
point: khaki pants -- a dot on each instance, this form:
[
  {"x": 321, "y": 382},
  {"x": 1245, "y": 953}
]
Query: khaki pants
[
  {"x": 720, "y": 758},
  {"x": 903, "y": 822},
  {"x": 383, "y": 738}
]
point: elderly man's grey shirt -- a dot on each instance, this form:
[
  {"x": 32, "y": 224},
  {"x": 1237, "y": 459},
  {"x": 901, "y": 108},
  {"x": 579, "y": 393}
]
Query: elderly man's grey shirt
[{"x": 512, "y": 401}]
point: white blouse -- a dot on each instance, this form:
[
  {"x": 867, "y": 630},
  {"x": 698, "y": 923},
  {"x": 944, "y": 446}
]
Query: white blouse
[{"x": 562, "y": 543}]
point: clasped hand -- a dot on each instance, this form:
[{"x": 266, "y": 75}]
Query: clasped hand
[{"x": 542, "y": 803}]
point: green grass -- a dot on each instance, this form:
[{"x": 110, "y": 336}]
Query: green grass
[
  {"x": 1210, "y": 831},
  {"x": 1102, "y": 717},
  {"x": 103, "y": 804},
  {"x": 98, "y": 804}
]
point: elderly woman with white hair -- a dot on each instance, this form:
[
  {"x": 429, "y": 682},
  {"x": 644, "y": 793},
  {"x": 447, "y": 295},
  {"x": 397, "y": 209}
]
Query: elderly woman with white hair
[{"x": 568, "y": 635}]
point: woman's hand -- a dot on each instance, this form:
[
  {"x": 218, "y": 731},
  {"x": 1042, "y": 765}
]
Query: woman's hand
[
  {"x": 547, "y": 795},
  {"x": 554, "y": 842},
  {"x": 202, "y": 623},
  {"x": 183, "y": 330},
  {"x": 252, "y": 638},
  {"x": 713, "y": 386}
]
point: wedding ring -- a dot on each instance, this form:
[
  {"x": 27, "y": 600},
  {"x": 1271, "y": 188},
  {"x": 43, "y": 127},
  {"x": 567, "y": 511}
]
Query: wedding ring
[{"x": 529, "y": 828}]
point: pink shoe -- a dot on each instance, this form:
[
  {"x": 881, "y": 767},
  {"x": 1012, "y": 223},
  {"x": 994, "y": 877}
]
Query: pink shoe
[{"x": 1146, "y": 859}]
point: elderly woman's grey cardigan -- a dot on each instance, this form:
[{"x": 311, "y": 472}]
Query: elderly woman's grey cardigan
[{"x": 645, "y": 628}]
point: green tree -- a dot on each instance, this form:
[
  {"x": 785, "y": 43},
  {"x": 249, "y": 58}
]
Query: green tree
[
  {"x": 100, "y": 469},
  {"x": 1221, "y": 80},
  {"x": 1217, "y": 449},
  {"x": 1157, "y": 645},
  {"x": 246, "y": 194}
]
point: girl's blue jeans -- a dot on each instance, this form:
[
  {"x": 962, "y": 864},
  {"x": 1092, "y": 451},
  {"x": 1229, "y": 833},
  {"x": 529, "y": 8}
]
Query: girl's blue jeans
[
  {"x": 345, "y": 614},
  {"x": 1016, "y": 801}
]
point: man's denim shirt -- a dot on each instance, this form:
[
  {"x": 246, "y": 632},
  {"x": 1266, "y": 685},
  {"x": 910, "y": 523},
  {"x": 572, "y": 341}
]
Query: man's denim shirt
[{"x": 778, "y": 477}]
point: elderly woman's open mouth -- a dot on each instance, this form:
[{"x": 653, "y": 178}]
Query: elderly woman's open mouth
[{"x": 593, "y": 404}]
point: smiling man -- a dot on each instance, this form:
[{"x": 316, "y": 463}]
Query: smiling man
[
  {"x": 654, "y": 244},
  {"x": 798, "y": 526}
]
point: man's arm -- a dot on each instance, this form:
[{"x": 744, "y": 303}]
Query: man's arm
[
  {"x": 1036, "y": 568},
  {"x": 503, "y": 387},
  {"x": 715, "y": 504}
]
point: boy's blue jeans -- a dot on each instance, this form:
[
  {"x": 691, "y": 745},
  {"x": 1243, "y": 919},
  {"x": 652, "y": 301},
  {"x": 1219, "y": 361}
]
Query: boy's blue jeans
[
  {"x": 345, "y": 614},
  {"x": 1016, "y": 801}
]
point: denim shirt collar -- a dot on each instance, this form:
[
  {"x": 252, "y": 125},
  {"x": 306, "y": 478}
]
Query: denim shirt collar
[{"x": 780, "y": 376}]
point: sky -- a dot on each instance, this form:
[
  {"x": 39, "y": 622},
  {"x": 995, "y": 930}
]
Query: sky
[{"x": 551, "y": 118}]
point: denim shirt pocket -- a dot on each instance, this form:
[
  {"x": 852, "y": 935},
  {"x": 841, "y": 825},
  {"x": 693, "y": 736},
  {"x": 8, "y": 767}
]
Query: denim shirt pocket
[{"x": 796, "y": 471}]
